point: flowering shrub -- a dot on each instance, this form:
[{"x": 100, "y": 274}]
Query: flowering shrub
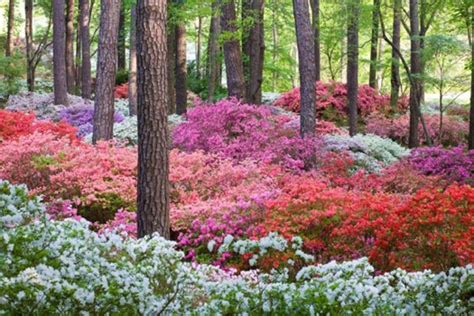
[
  {"x": 454, "y": 164},
  {"x": 331, "y": 101},
  {"x": 54, "y": 267},
  {"x": 16, "y": 124},
  {"x": 121, "y": 91},
  {"x": 81, "y": 115},
  {"x": 454, "y": 131},
  {"x": 242, "y": 131}
]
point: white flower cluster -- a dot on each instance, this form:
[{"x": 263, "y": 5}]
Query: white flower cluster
[
  {"x": 57, "y": 268},
  {"x": 370, "y": 152}
]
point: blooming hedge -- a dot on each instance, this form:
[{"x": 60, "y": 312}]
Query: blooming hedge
[{"x": 57, "y": 267}]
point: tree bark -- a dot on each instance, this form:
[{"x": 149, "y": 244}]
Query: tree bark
[
  {"x": 59, "y": 53},
  {"x": 232, "y": 52},
  {"x": 180, "y": 67},
  {"x": 305, "y": 42},
  {"x": 86, "y": 88},
  {"x": 317, "y": 44},
  {"x": 352, "y": 63},
  {"x": 10, "y": 24},
  {"x": 78, "y": 53},
  {"x": 153, "y": 166},
  {"x": 70, "y": 47},
  {"x": 471, "y": 116},
  {"x": 198, "y": 48},
  {"x": 121, "y": 58},
  {"x": 415, "y": 72},
  {"x": 253, "y": 46},
  {"x": 171, "y": 45},
  {"x": 373, "y": 44},
  {"x": 30, "y": 72},
  {"x": 106, "y": 70},
  {"x": 395, "y": 65},
  {"x": 213, "y": 53},
  {"x": 132, "y": 78}
]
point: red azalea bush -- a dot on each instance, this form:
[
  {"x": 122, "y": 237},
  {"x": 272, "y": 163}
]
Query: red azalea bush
[
  {"x": 454, "y": 131},
  {"x": 121, "y": 91},
  {"x": 331, "y": 101},
  {"x": 16, "y": 124}
]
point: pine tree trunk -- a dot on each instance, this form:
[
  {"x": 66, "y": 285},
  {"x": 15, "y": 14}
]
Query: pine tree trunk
[
  {"x": 86, "y": 88},
  {"x": 153, "y": 166},
  {"x": 213, "y": 53},
  {"x": 232, "y": 53},
  {"x": 305, "y": 41},
  {"x": 395, "y": 65},
  {"x": 180, "y": 66},
  {"x": 121, "y": 58},
  {"x": 352, "y": 64},
  {"x": 30, "y": 69},
  {"x": 106, "y": 70},
  {"x": 198, "y": 48},
  {"x": 253, "y": 47},
  {"x": 373, "y": 44},
  {"x": 471, "y": 116},
  {"x": 415, "y": 72},
  {"x": 317, "y": 44},
  {"x": 70, "y": 47},
  {"x": 171, "y": 51},
  {"x": 59, "y": 53},
  {"x": 11, "y": 16},
  {"x": 77, "y": 59},
  {"x": 132, "y": 79}
]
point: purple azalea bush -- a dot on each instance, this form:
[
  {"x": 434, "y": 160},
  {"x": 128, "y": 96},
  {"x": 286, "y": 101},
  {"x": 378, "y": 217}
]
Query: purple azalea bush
[
  {"x": 243, "y": 131},
  {"x": 453, "y": 164},
  {"x": 81, "y": 115}
]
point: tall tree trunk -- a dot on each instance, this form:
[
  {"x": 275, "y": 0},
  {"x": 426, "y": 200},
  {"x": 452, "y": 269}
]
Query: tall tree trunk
[
  {"x": 10, "y": 24},
  {"x": 305, "y": 41},
  {"x": 132, "y": 77},
  {"x": 106, "y": 70},
  {"x": 77, "y": 60},
  {"x": 352, "y": 63},
  {"x": 198, "y": 48},
  {"x": 30, "y": 70},
  {"x": 232, "y": 53},
  {"x": 180, "y": 66},
  {"x": 171, "y": 51},
  {"x": 121, "y": 58},
  {"x": 70, "y": 47},
  {"x": 395, "y": 65},
  {"x": 253, "y": 47},
  {"x": 213, "y": 53},
  {"x": 86, "y": 88},
  {"x": 59, "y": 53},
  {"x": 471, "y": 116},
  {"x": 153, "y": 165},
  {"x": 415, "y": 72},
  {"x": 317, "y": 44},
  {"x": 373, "y": 44}
]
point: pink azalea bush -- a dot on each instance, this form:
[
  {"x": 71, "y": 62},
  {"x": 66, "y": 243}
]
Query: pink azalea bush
[
  {"x": 331, "y": 101},
  {"x": 453, "y": 133}
]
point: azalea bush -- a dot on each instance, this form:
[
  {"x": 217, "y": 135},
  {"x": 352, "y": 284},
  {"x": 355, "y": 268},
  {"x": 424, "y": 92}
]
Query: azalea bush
[
  {"x": 331, "y": 101},
  {"x": 56, "y": 267},
  {"x": 454, "y": 131}
]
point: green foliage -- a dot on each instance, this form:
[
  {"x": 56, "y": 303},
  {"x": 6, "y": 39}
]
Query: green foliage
[
  {"x": 11, "y": 69},
  {"x": 121, "y": 77}
]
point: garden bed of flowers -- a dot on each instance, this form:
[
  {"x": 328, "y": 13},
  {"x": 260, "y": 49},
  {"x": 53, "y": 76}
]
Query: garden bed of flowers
[{"x": 262, "y": 220}]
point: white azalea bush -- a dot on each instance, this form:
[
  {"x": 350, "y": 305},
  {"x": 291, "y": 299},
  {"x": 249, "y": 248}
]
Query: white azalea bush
[
  {"x": 370, "y": 152},
  {"x": 62, "y": 267}
]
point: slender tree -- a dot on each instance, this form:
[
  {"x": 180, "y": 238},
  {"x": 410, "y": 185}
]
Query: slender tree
[
  {"x": 415, "y": 72},
  {"x": 132, "y": 77},
  {"x": 352, "y": 63},
  {"x": 78, "y": 52},
  {"x": 395, "y": 64},
  {"x": 106, "y": 70},
  {"x": 305, "y": 42},
  {"x": 171, "y": 53},
  {"x": 180, "y": 68},
  {"x": 373, "y": 44},
  {"x": 317, "y": 42},
  {"x": 86, "y": 89},
  {"x": 471, "y": 116},
  {"x": 30, "y": 74},
  {"x": 198, "y": 46},
  {"x": 153, "y": 183},
  {"x": 59, "y": 53},
  {"x": 70, "y": 72},
  {"x": 213, "y": 52},
  {"x": 253, "y": 47},
  {"x": 121, "y": 58},
  {"x": 10, "y": 24},
  {"x": 232, "y": 53}
]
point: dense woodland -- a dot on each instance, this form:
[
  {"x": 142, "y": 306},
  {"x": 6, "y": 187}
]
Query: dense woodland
[{"x": 236, "y": 157}]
